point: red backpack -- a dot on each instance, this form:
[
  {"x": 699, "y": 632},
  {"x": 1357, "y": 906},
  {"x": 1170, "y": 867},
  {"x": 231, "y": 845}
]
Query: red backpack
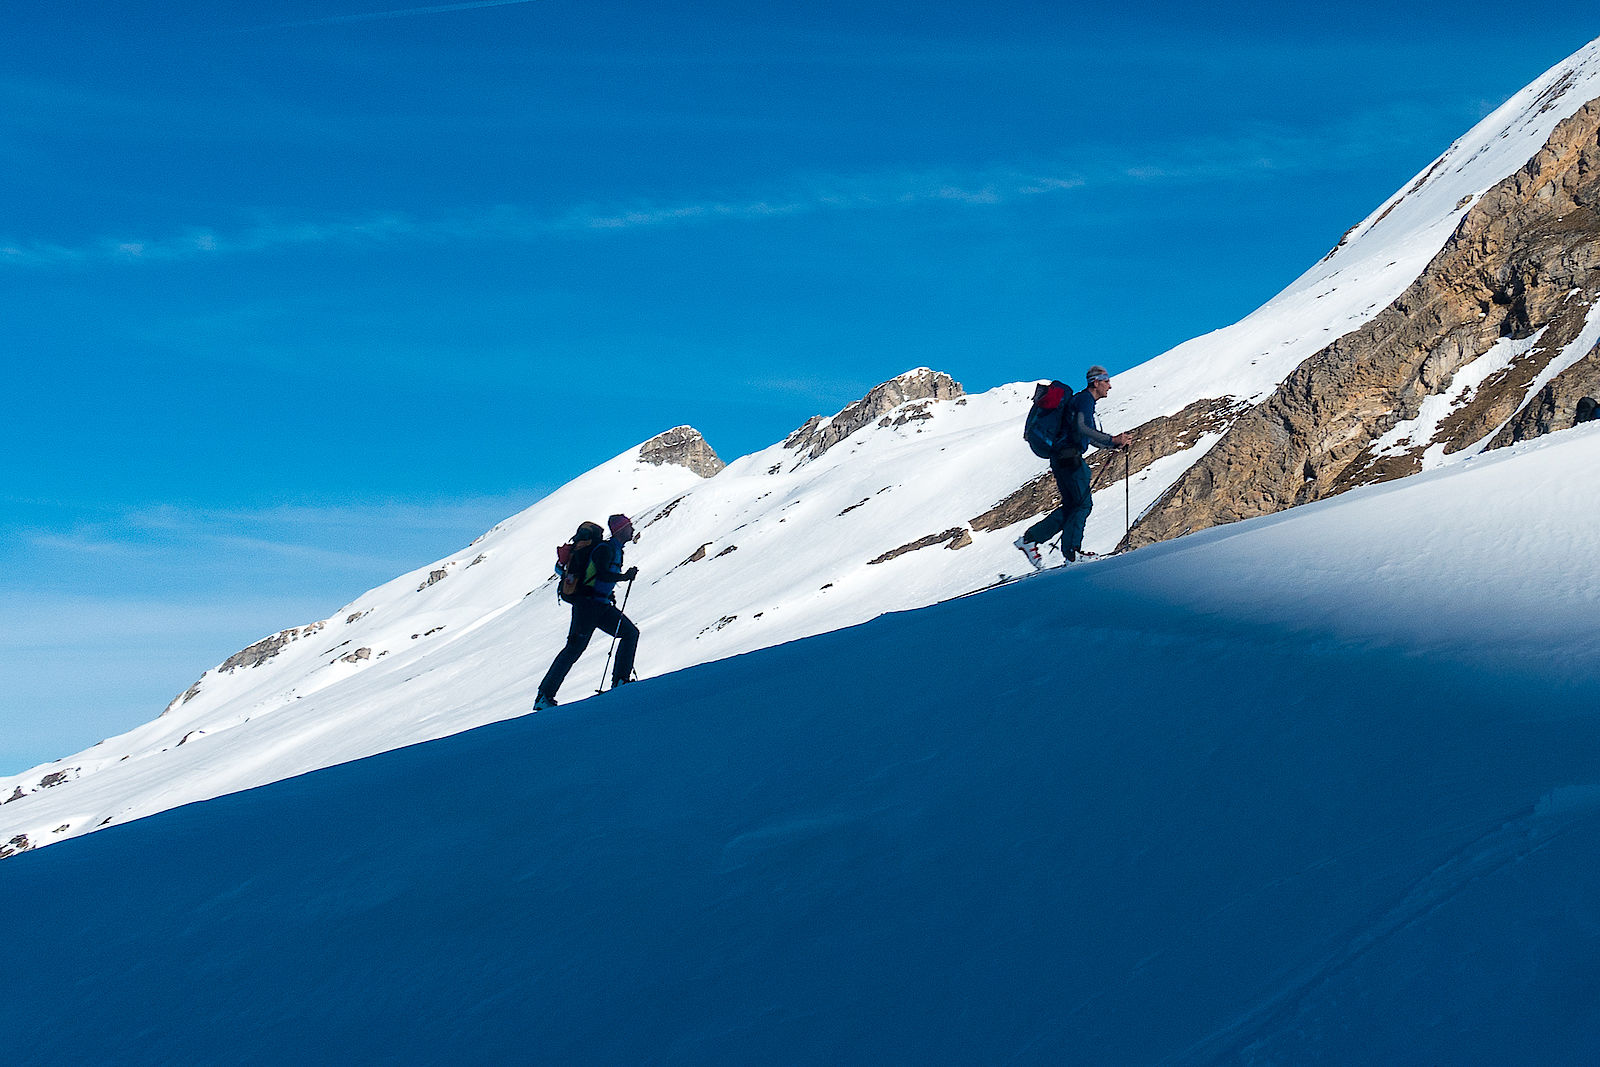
[{"x": 1048, "y": 430}]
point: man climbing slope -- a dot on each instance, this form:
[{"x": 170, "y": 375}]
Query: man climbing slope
[
  {"x": 594, "y": 607},
  {"x": 1072, "y": 475}
]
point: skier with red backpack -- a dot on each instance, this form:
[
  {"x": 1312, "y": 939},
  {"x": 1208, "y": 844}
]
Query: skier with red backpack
[
  {"x": 1060, "y": 426},
  {"x": 590, "y": 569}
]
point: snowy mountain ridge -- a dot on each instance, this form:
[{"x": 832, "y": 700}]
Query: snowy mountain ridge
[
  {"x": 1368, "y": 269},
  {"x": 463, "y": 641},
  {"x": 910, "y": 496}
]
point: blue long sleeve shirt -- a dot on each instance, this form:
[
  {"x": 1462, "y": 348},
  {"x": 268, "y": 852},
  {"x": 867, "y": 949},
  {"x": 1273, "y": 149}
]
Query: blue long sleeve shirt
[{"x": 1086, "y": 425}]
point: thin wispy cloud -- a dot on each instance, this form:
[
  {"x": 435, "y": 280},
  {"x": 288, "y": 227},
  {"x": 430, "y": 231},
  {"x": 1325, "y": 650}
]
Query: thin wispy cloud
[
  {"x": 397, "y": 13},
  {"x": 1252, "y": 154},
  {"x": 986, "y": 190},
  {"x": 201, "y": 242},
  {"x": 134, "y": 545},
  {"x": 516, "y": 223},
  {"x": 323, "y": 537}
]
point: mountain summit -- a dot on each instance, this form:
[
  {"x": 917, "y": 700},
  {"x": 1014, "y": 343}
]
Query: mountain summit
[{"x": 683, "y": 446}]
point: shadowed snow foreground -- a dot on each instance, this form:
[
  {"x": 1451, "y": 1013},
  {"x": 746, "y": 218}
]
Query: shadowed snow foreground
[{"x": 1318, "y": 788}]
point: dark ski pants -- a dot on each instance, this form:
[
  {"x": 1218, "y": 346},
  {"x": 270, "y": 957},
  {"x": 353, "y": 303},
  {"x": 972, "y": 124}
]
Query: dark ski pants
[
  {"x": 1072, "y": 482},
  {"x": 588, "y": 615}
]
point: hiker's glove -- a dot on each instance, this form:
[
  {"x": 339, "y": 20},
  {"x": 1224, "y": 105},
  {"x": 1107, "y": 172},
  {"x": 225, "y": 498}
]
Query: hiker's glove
[{"x": 630, "y": 574}]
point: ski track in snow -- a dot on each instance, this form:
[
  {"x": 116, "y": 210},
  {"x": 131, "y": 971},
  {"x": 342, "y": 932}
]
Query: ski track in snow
[{"x": 1529, "y": 832}]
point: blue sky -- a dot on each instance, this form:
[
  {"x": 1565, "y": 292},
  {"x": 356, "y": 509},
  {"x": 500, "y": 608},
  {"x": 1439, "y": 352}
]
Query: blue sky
[{"x": 298, "y": 297}]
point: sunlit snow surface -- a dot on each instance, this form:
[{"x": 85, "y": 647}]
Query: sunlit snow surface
[{"x": 1317, "y": 788}]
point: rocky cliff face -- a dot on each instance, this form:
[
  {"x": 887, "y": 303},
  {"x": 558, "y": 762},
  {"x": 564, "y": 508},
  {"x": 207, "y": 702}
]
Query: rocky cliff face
[
  {"x": 820, "y": 434},
  {"x": 682, "y": 445},
  {"x": 1494, "y": 343}
]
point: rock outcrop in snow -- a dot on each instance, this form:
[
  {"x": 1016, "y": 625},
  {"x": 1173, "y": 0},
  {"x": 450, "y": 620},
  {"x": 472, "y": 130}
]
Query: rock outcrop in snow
[
  {"x": 684, "y": 446},
  {"x": 1494, "y": 343},
  {"x": 820, "y": 434}
]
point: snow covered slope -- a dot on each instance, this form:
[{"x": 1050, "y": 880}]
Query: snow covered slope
[
  {"x": 789, "y": 542},
  {"x": 1322, "y": 787},
  {"x": 1372, "y": 265}
]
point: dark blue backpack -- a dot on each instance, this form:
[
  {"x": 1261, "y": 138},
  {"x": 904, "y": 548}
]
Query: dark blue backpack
[
  {"x": 1048, "y": 430},
  {"x": 574, "y": 566}
]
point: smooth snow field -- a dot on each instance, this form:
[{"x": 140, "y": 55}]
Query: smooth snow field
[{"x": 1318, "y": 788}]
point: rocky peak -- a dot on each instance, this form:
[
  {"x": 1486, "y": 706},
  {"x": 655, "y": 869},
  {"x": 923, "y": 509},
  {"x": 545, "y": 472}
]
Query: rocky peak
[
  {"x": 820, "y": 434},
  {"x": 685, "y": 447}
]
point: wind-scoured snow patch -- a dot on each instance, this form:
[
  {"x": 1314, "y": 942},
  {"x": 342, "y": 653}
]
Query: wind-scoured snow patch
[
  {"x": 1586, "y": 342},
  {"x": 1419, "y": 432},
  {"x": 1406, "y": 436}
]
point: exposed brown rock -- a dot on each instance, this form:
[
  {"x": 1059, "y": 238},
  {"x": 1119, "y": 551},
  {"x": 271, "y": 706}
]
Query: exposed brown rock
[
  {"x": 801, "y": 438},
  {"x": 719, "y": 624},
  {"x": 955, "y": 537},
  {"x": 663, "y": 513},
  {"x": 1524, "y": 259},
  {"x": 1033, "y": 498},
  {"x": 819, "y": 434},
  {"x": 1556, "y": 405},
  {"x": 259, "y": 652},
  {"x": 184, "y": 697},
  {"x": 265, "y": 649},
  {"x": 684, "y": 447},
  {"x": 909, "y": 413}
]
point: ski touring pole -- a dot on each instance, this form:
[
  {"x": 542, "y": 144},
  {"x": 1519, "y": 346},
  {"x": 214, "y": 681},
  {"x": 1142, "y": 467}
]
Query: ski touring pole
[
  {"x": 1127, "y": 497},
  {"x": 606, "y": 670}
]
